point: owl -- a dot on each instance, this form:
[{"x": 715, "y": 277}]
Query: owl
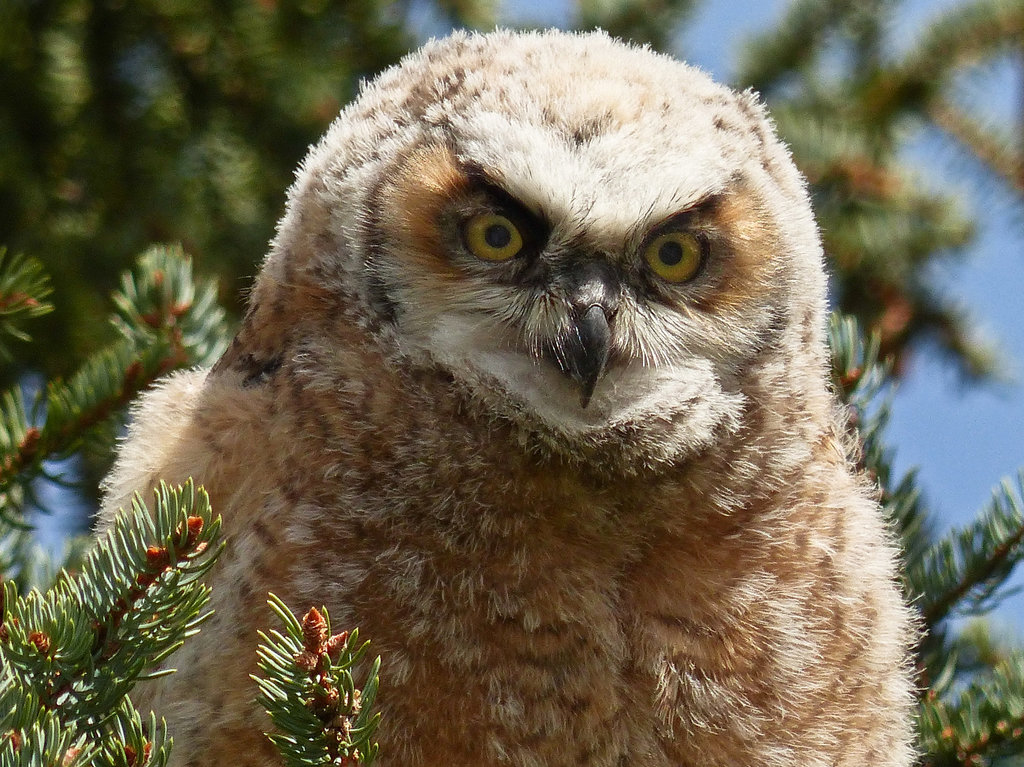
[{"x": 532, "y": 388}]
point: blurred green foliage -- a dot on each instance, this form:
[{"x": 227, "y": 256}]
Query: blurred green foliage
[{"x": 127, "y": 123}]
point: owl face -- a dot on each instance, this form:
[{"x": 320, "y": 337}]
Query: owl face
[{"x": 589, "y": 238}]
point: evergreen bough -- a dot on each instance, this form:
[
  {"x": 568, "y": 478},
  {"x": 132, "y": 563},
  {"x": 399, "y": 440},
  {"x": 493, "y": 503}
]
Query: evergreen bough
[
  {"x": 71, "y": 654},
  {"x": 971, "y": 708},
  {"x": 310, "y": 694}
]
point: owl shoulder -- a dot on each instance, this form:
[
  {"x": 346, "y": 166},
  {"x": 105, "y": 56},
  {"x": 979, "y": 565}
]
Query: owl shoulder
[{"x": 190, "y": 424}]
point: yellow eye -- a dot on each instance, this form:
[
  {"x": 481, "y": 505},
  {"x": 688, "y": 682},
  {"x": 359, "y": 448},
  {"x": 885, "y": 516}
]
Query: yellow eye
[
  {"x": 674, "y": 256},
  {"x": 492, "y": 237}
]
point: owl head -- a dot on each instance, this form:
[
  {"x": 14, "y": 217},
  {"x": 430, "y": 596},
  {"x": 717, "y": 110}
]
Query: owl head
[{"x": 584, "y": 238}]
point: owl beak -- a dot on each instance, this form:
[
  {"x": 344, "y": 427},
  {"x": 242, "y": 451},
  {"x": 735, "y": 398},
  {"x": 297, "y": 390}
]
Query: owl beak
[{"x": 585, "y": 351}]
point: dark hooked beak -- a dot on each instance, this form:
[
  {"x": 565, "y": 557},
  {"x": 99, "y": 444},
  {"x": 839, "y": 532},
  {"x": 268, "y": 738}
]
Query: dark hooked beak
[{"x": 586, "y": 350}]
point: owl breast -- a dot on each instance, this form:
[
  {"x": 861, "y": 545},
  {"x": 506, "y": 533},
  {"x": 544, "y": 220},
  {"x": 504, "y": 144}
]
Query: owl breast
[{"x": 584, "y": 618}]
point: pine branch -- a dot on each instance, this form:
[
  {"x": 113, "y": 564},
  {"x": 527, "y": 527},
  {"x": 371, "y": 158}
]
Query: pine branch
[
  {"x": 166, "y": 320},
  {"x": 24, "y": 288},
  {"x": 995, "y": 152},
  {"x": 309, "y": 693},
  {"x": 966, "y": 570},
  {"x": 984, "y": 722},
  {"x": 72, "y": 654}
]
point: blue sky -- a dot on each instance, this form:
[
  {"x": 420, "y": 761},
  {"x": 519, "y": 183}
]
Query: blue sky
[{"x": 962, "y": 440}]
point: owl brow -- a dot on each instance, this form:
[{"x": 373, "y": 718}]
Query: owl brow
[
  {"x": 479, "y": 180},
  {"x": 704, "y": 208}
]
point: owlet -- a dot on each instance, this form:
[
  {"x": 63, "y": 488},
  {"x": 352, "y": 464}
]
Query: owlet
[{"x": 532, "y": 388}]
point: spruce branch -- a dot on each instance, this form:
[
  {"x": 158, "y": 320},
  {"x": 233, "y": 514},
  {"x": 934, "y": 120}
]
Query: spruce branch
[
  {"x": 24, "y": 288},
  {"x": 653, "y": 22},
  {"x": 995, "y": 151},
  {"x": 73, "y": 653},
  {"x": 966, "y": 570},
  {"x": 883, "y": 90},
  {"x": 982, "y": 723},
  {"x": 166, "y": 320},
  {"x": 161, "y": 302},
  {"x": 309, "y": 693},
  {"x": 964, "y": 34},
  {"x": 848, "y": 119},
  {"x": 972, "y": 704},
  {"x": 794, "y": 42},
  {"x": 478, "y": 14},
  {"x": 857, "y": 372},
  {"x": 31, "y": 736},
  {"x": 130, "y": 742}
]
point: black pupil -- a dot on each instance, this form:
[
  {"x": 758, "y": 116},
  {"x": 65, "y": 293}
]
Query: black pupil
[
  {"x": 670, "y": 253},
  {"x": 497, "y": 236}
]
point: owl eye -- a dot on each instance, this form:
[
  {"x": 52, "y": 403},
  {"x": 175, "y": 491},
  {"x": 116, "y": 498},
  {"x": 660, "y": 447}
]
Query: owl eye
[
  {"x": 674, "y": 256},
  {"x": 492, "y": 237}
]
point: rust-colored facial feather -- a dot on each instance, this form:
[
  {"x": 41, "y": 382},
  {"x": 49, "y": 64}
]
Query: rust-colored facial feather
[
  {"x": 755, "y": 246},
  {"x": 415, "y": 203}
]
